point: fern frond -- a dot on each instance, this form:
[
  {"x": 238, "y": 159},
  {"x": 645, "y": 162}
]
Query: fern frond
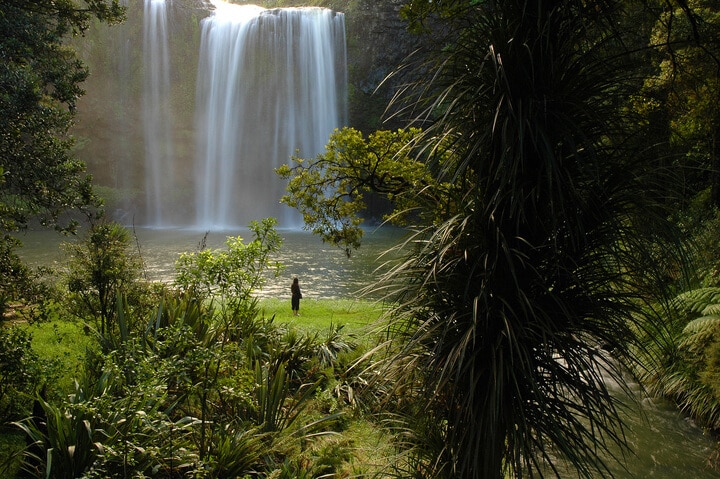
[
  {"x": 698, "y": 331},
  {"x": 711, "y": 310},
  {"x": 697, "y": 300},
  {"x": 702, "y": 325}
]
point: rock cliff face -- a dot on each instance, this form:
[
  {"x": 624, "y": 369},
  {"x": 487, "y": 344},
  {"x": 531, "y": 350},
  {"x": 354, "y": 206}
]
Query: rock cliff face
[{"x": 378, "y": 43}]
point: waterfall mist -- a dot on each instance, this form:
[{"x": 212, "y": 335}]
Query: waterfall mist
[{"x": 157, "y": 114}]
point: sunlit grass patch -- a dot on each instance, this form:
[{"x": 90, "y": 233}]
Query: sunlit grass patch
[
  {"x": 64, "y": 344},
  {"x": 319, "y": 314}
]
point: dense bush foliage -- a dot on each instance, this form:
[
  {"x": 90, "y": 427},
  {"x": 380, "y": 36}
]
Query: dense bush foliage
[
  {"x": 201, "y": 386},
  {"x": 183, "y": 398},
  {"x": 684, "y": 363},
  {"x": 20, "y": 373},
  {"x": 102, "y": 267},
  {"x": 40, "y": 83},
  {"x": 20, "y": 285}
]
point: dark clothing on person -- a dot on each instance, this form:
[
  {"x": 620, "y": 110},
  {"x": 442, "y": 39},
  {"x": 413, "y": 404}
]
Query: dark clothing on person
[{"x": 296, "y": 296}]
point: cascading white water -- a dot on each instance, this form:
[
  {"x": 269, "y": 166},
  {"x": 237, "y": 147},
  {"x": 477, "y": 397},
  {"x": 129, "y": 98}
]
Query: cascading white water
[
  {"x": 157, "y": 115},
  {"x": 271, "y": 83}
]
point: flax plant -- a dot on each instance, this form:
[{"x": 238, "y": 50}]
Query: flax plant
[{"x": 553, "y": 248}]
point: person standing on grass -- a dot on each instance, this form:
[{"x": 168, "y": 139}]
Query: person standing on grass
[{"x": 296, "y": 297}]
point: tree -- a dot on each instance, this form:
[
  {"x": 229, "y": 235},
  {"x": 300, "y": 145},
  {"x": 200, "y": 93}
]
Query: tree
[
  {"x": 40, "y": 81},
  {"x": 546, "y": 248},
  {"x": 39, "y": 85},
  {"x": 350, "y": 168},
  {"x": 102, "y": 268},
  {"x": 234, "y": 275},
  {"x": 683, "y": 91}
]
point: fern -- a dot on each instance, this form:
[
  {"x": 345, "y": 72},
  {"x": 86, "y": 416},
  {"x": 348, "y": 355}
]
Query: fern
[
  {"x": 696, "y": 300},
  {"x": 695, "y": 380},
  {"x": 704, "y": 325}
]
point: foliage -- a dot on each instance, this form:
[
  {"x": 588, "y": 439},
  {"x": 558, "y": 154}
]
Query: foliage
[
  {"x": 62, "y": 346},
  {"x": 688, "y": 369},
  {"x": 40, "y": 81},
  {"x": 190, "y": 389},
  {"x": 330, "y": 189},
  {"x": 678, "y": 98},
  {"x": 332, "y": 345},
  {"x": 19, "y": 284},
  {"x": 184, "y": 397},
  {"x": 102, "y": 267},
  {"x": 709, "y": 253},
  {"x": 277, "y": 409},
  {"x": 39, "y": 87},
  {"x": 682, "y": 93},
  {"x": 63, "y": 442},
  {"x": 698, "y": 221},
  {"x": 235, "y": 274},
  {"x": 20, "y": 372}
]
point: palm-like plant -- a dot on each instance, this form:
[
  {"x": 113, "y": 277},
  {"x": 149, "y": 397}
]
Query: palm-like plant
[{"x": 553, "y": 242}]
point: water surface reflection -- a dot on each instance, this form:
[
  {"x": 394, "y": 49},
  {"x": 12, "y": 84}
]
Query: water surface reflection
[{"x": 324, "y": 271}]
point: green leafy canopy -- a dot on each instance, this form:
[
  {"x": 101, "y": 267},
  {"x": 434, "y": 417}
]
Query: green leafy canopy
[{"x": 330, "y": 190}]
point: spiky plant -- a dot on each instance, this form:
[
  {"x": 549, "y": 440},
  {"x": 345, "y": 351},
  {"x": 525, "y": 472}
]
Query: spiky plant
[
  {"x": 553, "y": 241},
  {"x": 333, "y": 344},
  {"x": 235, "y": 451},
  {"x": 66, "y": 451},
  {"x": 277, "y": 407}
]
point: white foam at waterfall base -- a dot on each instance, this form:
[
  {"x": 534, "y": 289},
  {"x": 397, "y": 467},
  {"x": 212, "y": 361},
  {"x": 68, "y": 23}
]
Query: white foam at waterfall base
[{"x": 271, "y": 84}]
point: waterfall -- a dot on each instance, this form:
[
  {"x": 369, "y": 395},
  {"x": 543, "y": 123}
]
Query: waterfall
[
  {"x": 271, "y": 84},
  {"x": 157, "y": 115}
]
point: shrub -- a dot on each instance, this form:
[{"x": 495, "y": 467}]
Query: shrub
[
  {"x": 234, "y": 274},
  {"x": 683, "y": 361},
  {"x": 100, "y": 268},
  {"x": 20, "y": 373}
]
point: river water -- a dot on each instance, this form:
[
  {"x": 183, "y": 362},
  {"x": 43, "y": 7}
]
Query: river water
[{"x": 665, "y": 444}]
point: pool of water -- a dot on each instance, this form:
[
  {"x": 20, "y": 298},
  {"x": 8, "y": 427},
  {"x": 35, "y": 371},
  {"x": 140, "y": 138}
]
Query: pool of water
[{"x": 324, "y": 271}]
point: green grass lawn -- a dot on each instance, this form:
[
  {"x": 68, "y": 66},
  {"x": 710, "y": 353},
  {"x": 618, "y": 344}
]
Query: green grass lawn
[
  {"x": 66, "y": 342},
  {"x": 356, "y": 316},
  {"x": 63, "y": 343}
]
